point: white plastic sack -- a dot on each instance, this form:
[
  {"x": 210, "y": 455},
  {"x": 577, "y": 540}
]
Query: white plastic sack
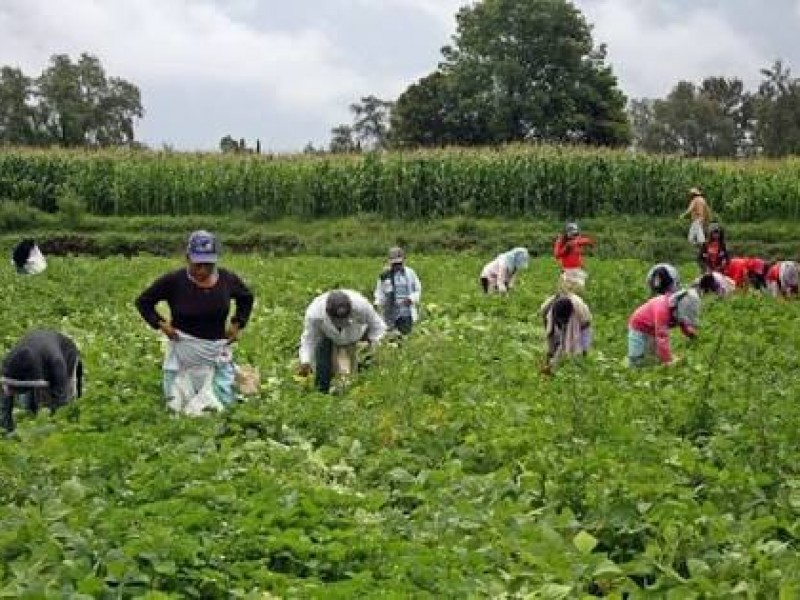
[{"x": 192, "y": 392}]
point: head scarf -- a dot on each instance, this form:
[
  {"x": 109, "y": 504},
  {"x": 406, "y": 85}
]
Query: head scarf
[
  {"x": 663, "y": 279},
  {"x": 686, "y": 306},
  {"x": 516, "y": 259},
  {"x": 788, "y": 274}
]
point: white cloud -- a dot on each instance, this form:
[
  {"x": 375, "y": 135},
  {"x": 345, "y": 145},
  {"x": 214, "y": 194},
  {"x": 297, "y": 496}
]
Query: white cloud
[
  {"x": 444, "y": 11},
  {"x": 650, "y": 54},
  {"x": 181, "y": 42}
]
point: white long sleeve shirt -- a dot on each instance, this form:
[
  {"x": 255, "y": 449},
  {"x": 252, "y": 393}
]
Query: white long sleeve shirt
[{"x": 363, "y": 320}]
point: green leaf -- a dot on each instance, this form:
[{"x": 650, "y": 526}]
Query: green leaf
[{"x": 585, "y": 542}]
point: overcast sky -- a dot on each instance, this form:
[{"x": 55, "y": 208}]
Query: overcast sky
[{"x": 286, "y": 71}]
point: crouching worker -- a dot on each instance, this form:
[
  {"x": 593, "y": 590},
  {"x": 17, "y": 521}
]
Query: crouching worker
[
  {"x": 43, "y": 369},
  {"x": 27, "y": 258},
  {"x": 568, "y": 327},
  {"x": 199, "y": 372},
  {"x": 334, "y": 324},
  {"x": 715, "y": 283},
  {"x": 649, "y": 325},
  {"x": 397, "y": 293},
  {"x": 500, "y": 275},
  {"x": 783, "y": 279},
  {"x": 663, "y": 278}
]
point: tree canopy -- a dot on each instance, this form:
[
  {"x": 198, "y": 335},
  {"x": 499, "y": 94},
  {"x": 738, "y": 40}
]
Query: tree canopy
[
  {"x": 70, "y": 104},
  {"x": 518, "y": 70}
]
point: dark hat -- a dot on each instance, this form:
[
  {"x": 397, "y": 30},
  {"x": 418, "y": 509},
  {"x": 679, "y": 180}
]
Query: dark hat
[{"x": 338, "y": 305}]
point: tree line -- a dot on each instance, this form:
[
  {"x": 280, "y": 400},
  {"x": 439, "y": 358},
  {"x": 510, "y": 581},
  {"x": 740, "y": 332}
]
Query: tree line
[
  {"x": 527, "y": 70},
  {"x": 522, "y": 71}
]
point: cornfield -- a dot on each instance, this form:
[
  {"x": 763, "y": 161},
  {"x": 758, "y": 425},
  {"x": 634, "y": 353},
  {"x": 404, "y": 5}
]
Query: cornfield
[{"x": 508, "y": 182}]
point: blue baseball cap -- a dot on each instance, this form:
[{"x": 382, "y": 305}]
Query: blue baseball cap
[{"x": 202, "y": 247}]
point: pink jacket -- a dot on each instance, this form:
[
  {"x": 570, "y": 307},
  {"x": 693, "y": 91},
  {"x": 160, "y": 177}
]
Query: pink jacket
[{"x": 653, "y": 318}]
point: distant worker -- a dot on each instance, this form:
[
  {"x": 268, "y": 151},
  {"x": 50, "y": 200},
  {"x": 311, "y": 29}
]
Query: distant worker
[
  {"x": 713, "y": 255},
  {"x": 42, "y": 369},
  {"x": 649, "y": 325},
  {"x": 500, "y": 275},
  {"x": 663, "y": 278},
  {"x": 334, "y": 323},
  {"x": 398, "y": 293},
  {"x": 716, "y": 283},
  {"x": 568, "y": 248},
  {"x": 27, "y": 258},
  {"x": 757, "y": 269},
  {"x": 783, "y": 279},
  {"x": 701, "y": 215},
  {"x": 737, "y": 270}
]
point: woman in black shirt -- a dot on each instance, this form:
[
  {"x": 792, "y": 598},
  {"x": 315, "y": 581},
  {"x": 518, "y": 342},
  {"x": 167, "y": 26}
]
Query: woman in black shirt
[{"x": 199, "y": 298}]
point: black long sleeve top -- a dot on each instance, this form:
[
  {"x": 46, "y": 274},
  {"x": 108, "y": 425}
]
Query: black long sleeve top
[{"x": 200, "y": 312}]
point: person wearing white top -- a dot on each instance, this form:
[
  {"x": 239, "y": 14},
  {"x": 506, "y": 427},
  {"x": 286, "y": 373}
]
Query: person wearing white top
[
  {"x": 334, "y": 323},
  {"x": 715, "y": 283},
  {"x": 397, "y": 293},
  {"x": 500, "y": 274}
]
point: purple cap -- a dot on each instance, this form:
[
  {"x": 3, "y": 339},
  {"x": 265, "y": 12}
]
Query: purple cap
[{"x": 202, "y": 247}]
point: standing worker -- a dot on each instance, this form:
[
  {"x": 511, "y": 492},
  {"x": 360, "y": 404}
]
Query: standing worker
[
  {"x": 199, "y": 372},
  {"x": 701, "y": 215},
  {"x": 398, "y": 293},
  {"x": 568, "y": 248}
]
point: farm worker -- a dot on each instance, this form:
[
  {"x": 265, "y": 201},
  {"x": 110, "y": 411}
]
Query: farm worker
[
  {"x": 700, "y": 213},
  {"x": 757, "y": 269},
  {"x": 334, "y": 324},
  {"x": 649, "y": 325},
  {"x": 782, "y": 279},
  {"x": 500, "y": 274},
  {"x": 43, "y": 368},
  {"x": 398, "y": 293},
  {"x": 198, "y": 366},
  {"x": 715, "y": 283},
  {"x": 568, "y": 248},
  {"x": 27, "y": 258},
  {"x": 737, "y": 270},
  {"x": 713, "y": 254},
  {"x": 663, "y": 278},
  {"x": 568, "y": 327}
]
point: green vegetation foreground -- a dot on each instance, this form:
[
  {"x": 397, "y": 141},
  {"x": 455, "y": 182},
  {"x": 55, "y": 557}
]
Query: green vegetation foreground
[{"x": 450, "y": 469}]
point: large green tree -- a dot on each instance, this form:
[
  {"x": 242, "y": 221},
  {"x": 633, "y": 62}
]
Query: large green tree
[
  {"x": 777, "y": 111},
  {"x": 69, "y": 104},
  {"x": 518, "y": 70},
  {"x": 81, "y": 106},
  {"x": 710, "y": 119},
  {"x": 17, "y": 114}
]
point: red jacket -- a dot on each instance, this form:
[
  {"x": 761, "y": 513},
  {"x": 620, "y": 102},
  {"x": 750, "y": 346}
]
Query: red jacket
[
  {"x": 774, "y": 273},
  {"x": 756, "y": 265},
  {"x": 737, "y": 270},
  {"x": 568, "y": 251}
]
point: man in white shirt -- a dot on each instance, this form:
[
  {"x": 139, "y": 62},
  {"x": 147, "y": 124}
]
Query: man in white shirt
[{"x": 334, "y": 323}]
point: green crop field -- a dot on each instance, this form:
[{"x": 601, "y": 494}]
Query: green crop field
[
  {"x": 450, "y": 469},
  {"x": 524, "y": 181}
]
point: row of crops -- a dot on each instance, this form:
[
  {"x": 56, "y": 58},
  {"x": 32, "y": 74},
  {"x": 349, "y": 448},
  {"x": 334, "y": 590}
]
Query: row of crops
[{"x": 516, "y": 181}]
